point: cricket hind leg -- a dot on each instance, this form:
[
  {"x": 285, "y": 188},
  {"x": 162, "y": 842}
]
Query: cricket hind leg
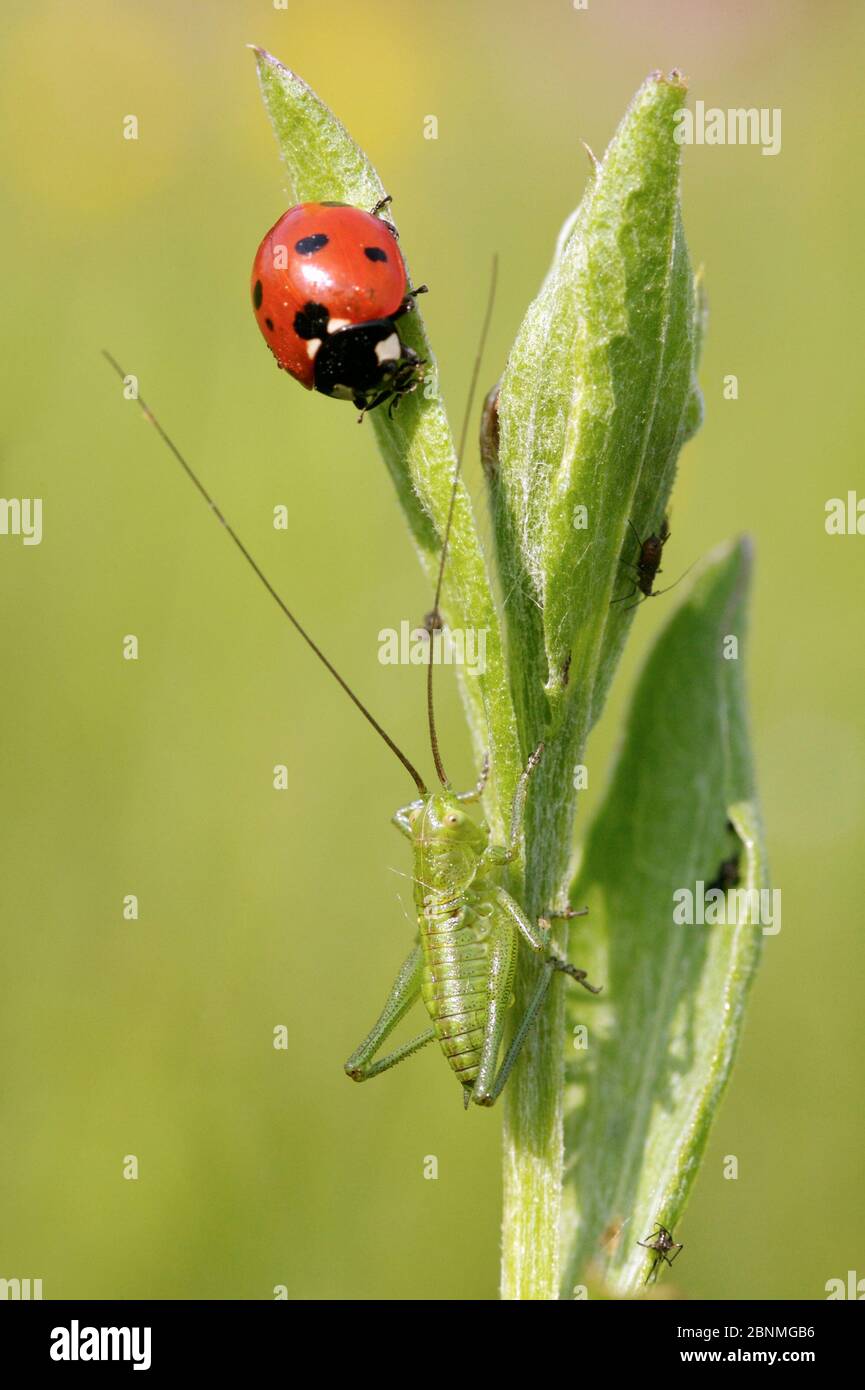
[
  {"x": 489, "y": 1084},
  {"x": 502, "y": 968},
  {"x": 404, "y": 992},
  {"x": 490, "y": 1096}
]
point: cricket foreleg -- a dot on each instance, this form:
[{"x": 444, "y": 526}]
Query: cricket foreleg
[
  {"x": 406, "y": 989},
  {"x": 477, "y": 792},
  {"x": 402, "y": 818},
  {"x": 565, "y": 914},
  {"x": 496, "y": 855},
  {"x": 518, "y": 810}
]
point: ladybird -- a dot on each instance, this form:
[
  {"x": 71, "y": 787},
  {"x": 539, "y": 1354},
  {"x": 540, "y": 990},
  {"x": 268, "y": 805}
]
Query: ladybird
[{"x": 328, "y": 286}]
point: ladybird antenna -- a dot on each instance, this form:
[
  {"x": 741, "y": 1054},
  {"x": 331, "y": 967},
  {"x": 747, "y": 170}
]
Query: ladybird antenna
[
  {"x": 434, "y": 616},
  {"x": 370, "y": 718}
]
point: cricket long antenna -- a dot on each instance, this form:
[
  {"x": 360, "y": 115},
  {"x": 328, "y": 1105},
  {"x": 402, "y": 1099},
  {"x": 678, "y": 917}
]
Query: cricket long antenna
[
  {"x": 433, "y": 736},
  {"x": 148, "y": 415}
]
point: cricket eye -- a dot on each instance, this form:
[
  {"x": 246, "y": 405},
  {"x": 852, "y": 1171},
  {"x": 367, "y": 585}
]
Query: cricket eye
[{"x": 452, "y": 819}]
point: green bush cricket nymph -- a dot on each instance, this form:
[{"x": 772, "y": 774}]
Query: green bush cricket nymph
[{"x": 469, "y": 926}]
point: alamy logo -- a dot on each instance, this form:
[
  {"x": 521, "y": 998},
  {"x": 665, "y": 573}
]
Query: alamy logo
[
  {"x": 445, "y": 646},
  {"x": 738, "y": 126},
  {"x": 23, "y": 1289},
  {"x": 21, "y": 516},
  {"x": 76, "y": 1343},
  {"x": 853, "y": 1288},
  {"x": 716, "y": 907}
]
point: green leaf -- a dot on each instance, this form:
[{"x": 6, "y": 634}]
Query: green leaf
[
  {"x": 323, "y": 162},
  {"x": 597, "y": 398},
  {"x": 662, "y": 1036}
]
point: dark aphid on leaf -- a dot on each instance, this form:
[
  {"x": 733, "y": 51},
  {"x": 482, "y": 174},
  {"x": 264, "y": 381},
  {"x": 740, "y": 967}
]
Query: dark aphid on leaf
[
  {"x": 661, "y": 1243},
  {"x": 727, "y": 876},
  {"x": 647, "y": 565},
  {"x": 433, "y": 621},
  {"x": 490, "y": 435}
]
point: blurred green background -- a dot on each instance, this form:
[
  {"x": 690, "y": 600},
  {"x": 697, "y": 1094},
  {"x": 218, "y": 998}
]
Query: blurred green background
[{"x": 259, "y": 908}]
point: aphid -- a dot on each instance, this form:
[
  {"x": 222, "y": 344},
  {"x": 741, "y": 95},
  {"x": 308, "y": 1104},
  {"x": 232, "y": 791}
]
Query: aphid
[
  {"x": 328, "y": 286},
  {"x": 647, "y": 565},
  {"x": 661, "y": 1242},
  {"x": 727, "y": 876},
  {"x": 433, "y": 621},
  {"x": 490, "y": 436},
  {"x": 463, "y": 965}
]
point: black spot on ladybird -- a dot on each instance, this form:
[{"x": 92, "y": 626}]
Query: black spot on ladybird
[
  {"x": 308, "y": 245},
  {"x": 257, "y": 294},
  {"x": 269, "y": 324},
  {"x": 311, "y": 320},
  {"x": 374, "y": 253}
]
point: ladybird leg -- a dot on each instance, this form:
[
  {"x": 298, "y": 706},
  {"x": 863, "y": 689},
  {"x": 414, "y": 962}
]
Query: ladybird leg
[
  {"x": 364, "y": 405},
  {"x": 408, "y": 302},
  {"x": 379, "y": 208}
]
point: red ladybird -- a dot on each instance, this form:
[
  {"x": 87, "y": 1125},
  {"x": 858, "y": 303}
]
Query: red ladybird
[{"x": 328, "y": 284}]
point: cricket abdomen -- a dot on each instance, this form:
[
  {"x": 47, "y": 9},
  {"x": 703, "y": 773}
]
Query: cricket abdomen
[{"x": 455, "y": 981}]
